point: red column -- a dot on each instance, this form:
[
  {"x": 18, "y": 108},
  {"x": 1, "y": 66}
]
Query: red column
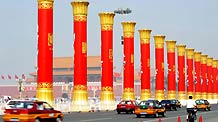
[
  {"x": 181, "y": 72},
  {"x": 45, "y": 51},
  {"x": 190, "y": 71},
  {"x": 216, "y": 80},
  {"x": 214, "y": 84},
  {"x": 159, "y": 59},
  {"x": 80, "y": 93},
  {"x": 145, "y": 63},
  {"x": 204, "y": 76},
  {"x": 171, "y": 45},
  {"x": 209, "y": 78},
  {"x": 107, "y": 94},
  {"x": 197, "y": 62},
  {"x": 128, "y": 30}
]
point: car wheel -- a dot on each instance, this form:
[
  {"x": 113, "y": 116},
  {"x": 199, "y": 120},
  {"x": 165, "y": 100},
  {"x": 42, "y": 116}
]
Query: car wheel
[
  {"x": 37, "y": 120},
  {"x": 208, "y": 109},
  {"x": 58, "y": 119},
  {"x": 164, "y": 114},
  {"x": 175, "y": 109},
  {"x": 156, "y": 115},
  {"x": 118, "y": 112},
  {"x": 138, "y": 115}
]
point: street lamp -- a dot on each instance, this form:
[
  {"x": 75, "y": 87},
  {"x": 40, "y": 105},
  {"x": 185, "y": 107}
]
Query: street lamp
[{"x": 20, "y": 82}]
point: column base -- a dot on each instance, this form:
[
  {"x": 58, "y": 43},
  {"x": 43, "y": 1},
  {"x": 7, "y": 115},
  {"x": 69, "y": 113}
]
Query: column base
[
  {"x": 80, "y": 100},
  {"x": 145, "y": 94},
  {"x": 197, "y": 95},
  {"x": 171, "y": 95},
  {"x": 128, "y": 94},
  {"x": 209, "y": 96},
  {"x": 45, "y": 94},
  {"x": 159, "y": 95},
  {"x": 204, "y": 95},
  {"x": 182, "y": 96},
  {"x": 215, "y": 96},
  {"x": 107, "y": 100}
]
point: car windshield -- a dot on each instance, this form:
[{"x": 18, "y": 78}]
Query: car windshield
[
  {"x": 165, "y": 101},
  {"x": 21, "y": 104},
  {"x": 146, "y": 103},
  {"x": 125, "y": 102},
  {"x": 199, "y": 101}
]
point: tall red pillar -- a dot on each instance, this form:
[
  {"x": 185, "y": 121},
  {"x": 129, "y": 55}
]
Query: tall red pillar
[
  {"x": 204, "y": 76},
  {"x": 107, "y": 93},
  {"x": 128, "y": 86},
  {"x": 209, "y": 78},
  {"x": 159, "y": 60},
  {"x": 80, "y": 93},
  {"x": 45, "y": 51},
  {"x": 171, "y": 45},
  {"x": 197, "y": 65},
  {"x": 181, "y": 72},
  {"x": 145, "y": 63},
  {"x": 214, "y": 84},
  {"x": 190, "y": 71}
]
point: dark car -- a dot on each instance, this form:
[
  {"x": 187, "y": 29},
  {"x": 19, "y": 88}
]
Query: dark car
[
  {"x": 203, "y": 104},
  {"x": 149, "y": 107},
  {"x": 168, "y": 104},
  {"x": 32, "y": 111},
  {"x": 126, "y": 106},
  {"x": 178, "y": 104}
]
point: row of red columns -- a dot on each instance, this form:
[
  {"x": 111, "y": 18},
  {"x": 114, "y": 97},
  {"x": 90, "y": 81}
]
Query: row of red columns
[{"x": 201, "y": 71}]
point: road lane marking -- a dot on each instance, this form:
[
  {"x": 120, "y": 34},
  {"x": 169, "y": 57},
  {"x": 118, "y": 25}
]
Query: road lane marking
[{"x": 99, "y": 119}]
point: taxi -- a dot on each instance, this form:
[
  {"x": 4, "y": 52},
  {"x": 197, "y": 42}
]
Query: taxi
[
  {"x": 32, "y": 111},
  {"x": 203, "y": 104},
  {"x": 150, "y": 107},
  {"x": 126, "y": 106}
]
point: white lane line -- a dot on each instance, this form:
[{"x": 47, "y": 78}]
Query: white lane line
[
  {"x": 99, "y": 119},
  {"x": 180, "y": 116}
]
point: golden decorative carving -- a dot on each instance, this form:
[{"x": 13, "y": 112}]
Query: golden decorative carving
[
  {"x": 128, "y": 94},
  {"x": 181, "y": 49},
  {"x": 128, "y": 27},
  {"x": 181, "y": 95},
  {"x": 80, "y": 87},
  {"x": 132, "y": 58},
  {"x": 145, "y": 41},
  {"x": 159, "y": 41},
  {"x": 204, "y": 95},
  {"x": 128, "y": 90},
  {"x": 106, "y": 18},
  {"x": 80, "y": 7},
  {"x": 106, "y": 27},
  {"x": 214, "y": 63},
  {"x": 189, "y": 53},
  {"x": 171, "y": 95},
  {"x": 171, "y": 45},
  {"x": 107, "y": 88},
  {"x": 80, "y": 18},
  {"x": 110, "y": 53},
  {"x": 145, "y": 94},
  {"x": 203, "y": 59},
  {"x": 44, "y": 85},
  {"x": 50, "y": 39},
  {"x": 148, "y": 62},
  {"x": 84, "y": 47},
  {"x": 197, "y": 56},
  {"x": 197, "y": 95},
  {"x": 45, "y": 4}
]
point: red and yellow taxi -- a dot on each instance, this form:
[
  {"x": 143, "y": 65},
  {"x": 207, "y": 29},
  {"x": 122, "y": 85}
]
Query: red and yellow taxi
[
  {"x": 150, "y": 107},
  {"x": 203, "y": 104},
  {"x": 32, "y": 111}
]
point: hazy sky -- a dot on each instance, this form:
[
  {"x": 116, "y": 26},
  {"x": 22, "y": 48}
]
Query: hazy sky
[{"x": 191, "y": 22}]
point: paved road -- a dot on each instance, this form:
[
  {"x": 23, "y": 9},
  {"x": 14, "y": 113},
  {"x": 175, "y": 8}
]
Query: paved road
[{"x": 112, "y": 116}]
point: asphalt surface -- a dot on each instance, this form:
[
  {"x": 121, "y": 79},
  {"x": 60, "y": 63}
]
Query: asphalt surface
[{"x": 112, "y": 116}]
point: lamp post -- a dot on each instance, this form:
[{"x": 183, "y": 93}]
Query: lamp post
[{"x": 20, "y": 82}]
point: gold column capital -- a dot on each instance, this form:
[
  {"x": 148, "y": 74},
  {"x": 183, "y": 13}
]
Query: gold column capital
[
  {"x": 144, "y": 36},
  {"x": 159, "y": 41},
  {"x": 128, "y": 29},
  {"x": 214, "y": 64},
  {"x": 45, "y": 4},
  {"x": 181, "y": 49},
  {"x": 106, "y": 18},
  {"x": 204, "y": 59},
  {"x": 80, "y": 7},
  {"x": 197, "y": 56},
  {"x": 189, "y": 53},
  {"x": 209, "y": 61},
  {"x": 39, "y": 1},
  {"x": 171, "y": 45}
]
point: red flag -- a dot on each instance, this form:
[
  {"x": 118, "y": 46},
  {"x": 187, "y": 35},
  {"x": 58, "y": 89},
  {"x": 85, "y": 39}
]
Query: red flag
[
  {"x": 2, "y": 77},
  {"x": 23, "y": 76},
  {"x": 9, "y": 77},
  {"x": 16, "y": 77}
]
